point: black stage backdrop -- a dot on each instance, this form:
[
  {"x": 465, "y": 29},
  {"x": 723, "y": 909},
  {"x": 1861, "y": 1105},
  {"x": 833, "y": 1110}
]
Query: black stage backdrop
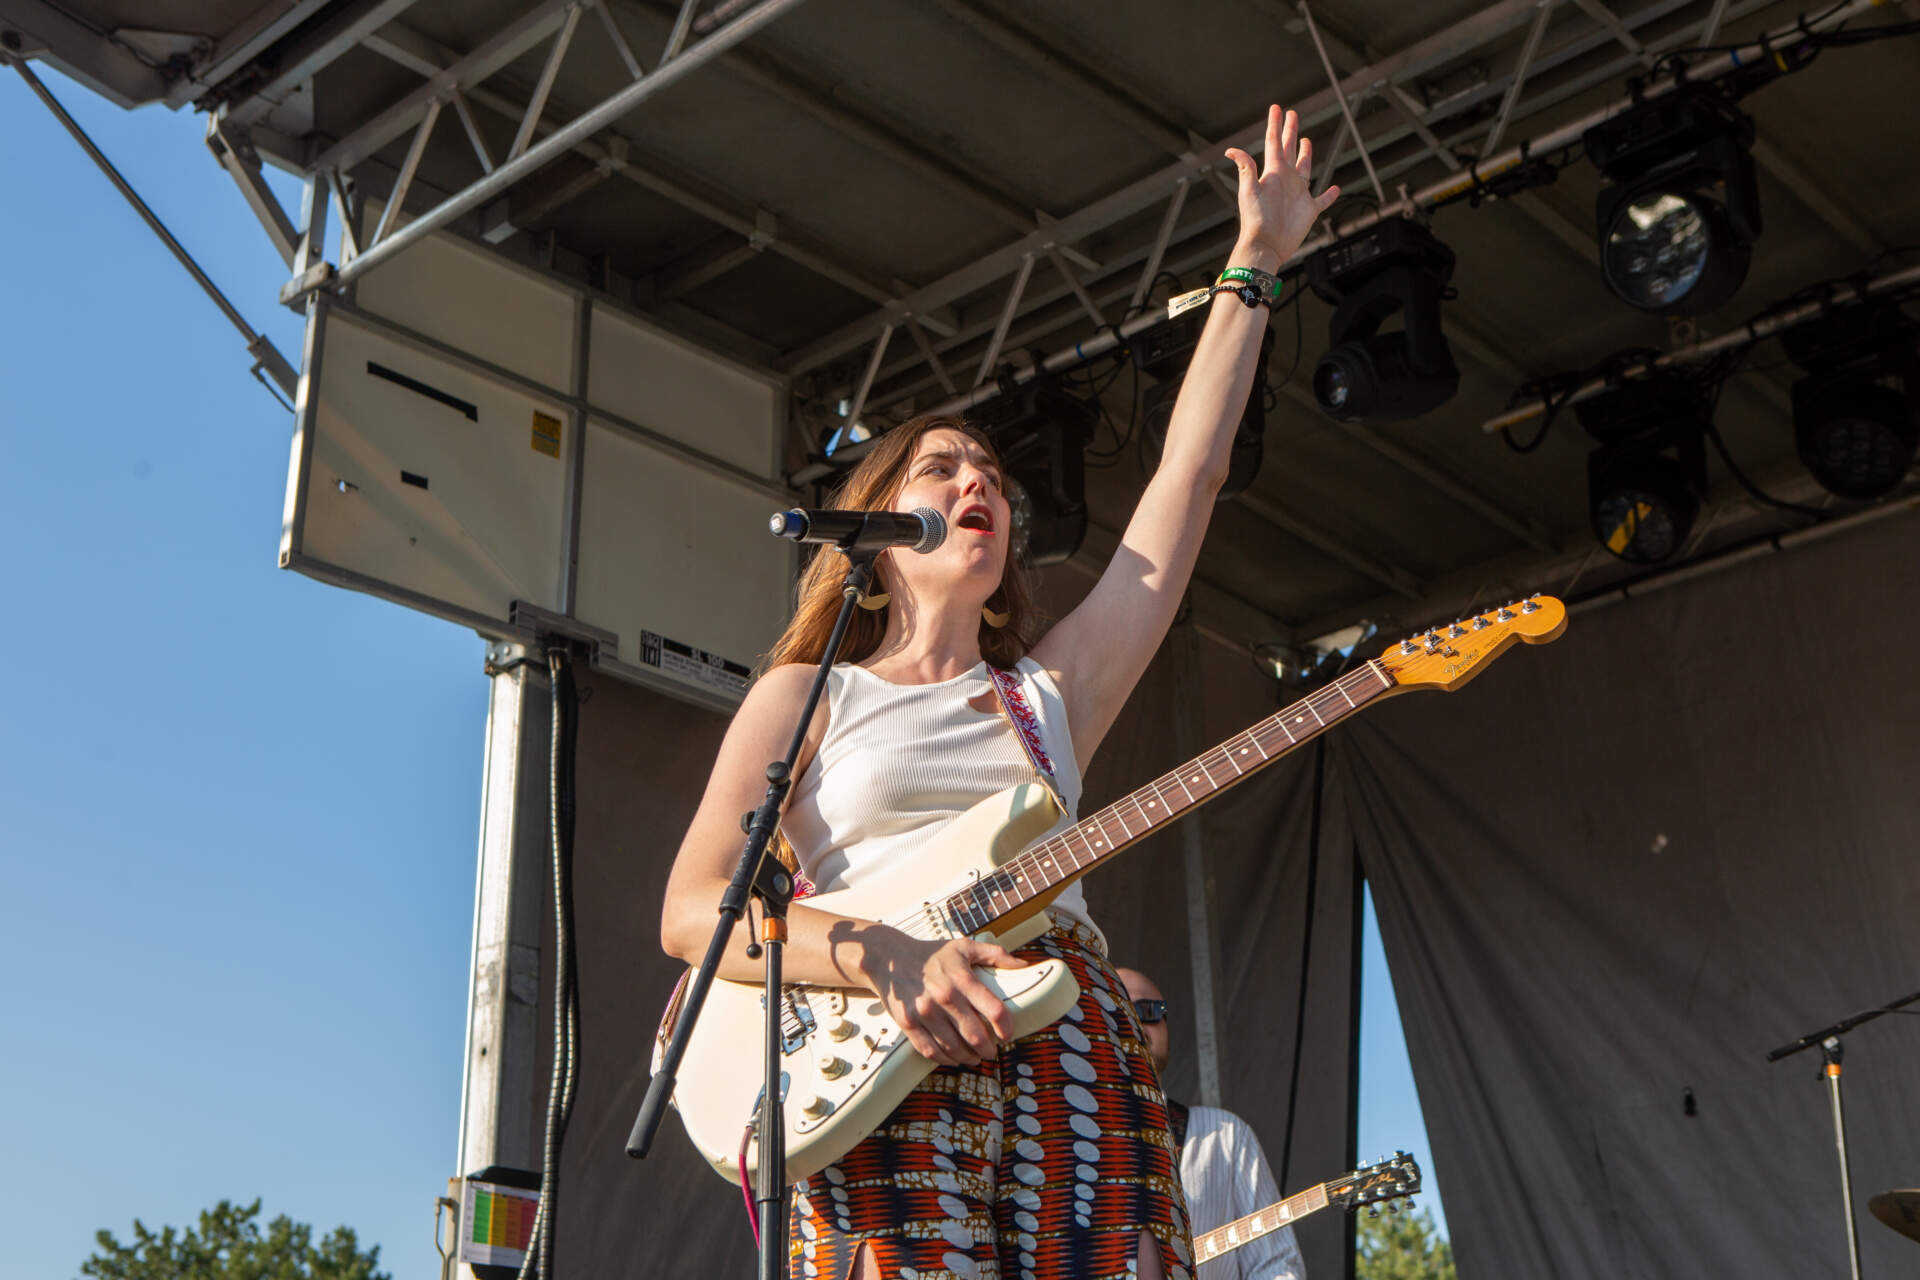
[
  {"x": 1624, "y": 867},
  {"x": 643, "y": 759},
  {"x": 1610, "y": 871}
]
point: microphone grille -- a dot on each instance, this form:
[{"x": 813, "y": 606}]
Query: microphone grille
[{"x": 935, "y": 525}]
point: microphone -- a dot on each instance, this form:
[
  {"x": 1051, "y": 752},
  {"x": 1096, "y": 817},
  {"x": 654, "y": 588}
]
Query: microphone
[{"x": 920, "y": 530}]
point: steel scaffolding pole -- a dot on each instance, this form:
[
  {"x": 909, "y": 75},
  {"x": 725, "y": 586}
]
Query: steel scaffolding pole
[{"x": 266, "y": 356}]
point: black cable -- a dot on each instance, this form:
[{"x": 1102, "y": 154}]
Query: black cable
[
  {"x": 538, "y": 1261},
  {"x": 1753, "y": 490},
  {"x": 1553, "y": 408}
]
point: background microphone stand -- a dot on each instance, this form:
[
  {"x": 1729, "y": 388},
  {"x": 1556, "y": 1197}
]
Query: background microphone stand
[
  {"x": 766, "y": 879},
  {"x": 1828, "y": 1038}
]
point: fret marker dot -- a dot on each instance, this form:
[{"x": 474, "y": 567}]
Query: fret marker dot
[
  {"x": 1152, "y": 803},
  {"x": 1196, "y": 777},
  {"x": 1096, "y": 844},
  {"x": 1299, "y": 719}
]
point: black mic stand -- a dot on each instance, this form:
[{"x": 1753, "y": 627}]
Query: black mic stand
[
  {"x": 763, "y": 878},
  {"x": 1828, "y": 1038}
]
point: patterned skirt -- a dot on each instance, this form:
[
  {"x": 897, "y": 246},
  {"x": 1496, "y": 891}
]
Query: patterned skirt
[{"x": 1043, "y": 1164}]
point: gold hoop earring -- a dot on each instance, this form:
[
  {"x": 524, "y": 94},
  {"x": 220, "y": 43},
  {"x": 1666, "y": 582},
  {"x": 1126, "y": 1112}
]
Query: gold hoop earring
[
  {"x": 994, "y": 620},
  {"x": 876, "y": 602}
]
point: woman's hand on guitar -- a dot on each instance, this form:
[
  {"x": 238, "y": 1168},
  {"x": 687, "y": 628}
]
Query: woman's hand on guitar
[{"x": 930, "y": 989}]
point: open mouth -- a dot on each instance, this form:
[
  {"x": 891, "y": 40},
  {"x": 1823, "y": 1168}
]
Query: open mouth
[{"x": 976, "y": 518}]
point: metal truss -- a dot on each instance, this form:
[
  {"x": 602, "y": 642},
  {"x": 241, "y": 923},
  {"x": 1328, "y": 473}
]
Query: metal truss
[
  {"x": 1383, "y": 77},
  {"x": 420, "y": 111},
  {"x": 1527, "y": 531}
]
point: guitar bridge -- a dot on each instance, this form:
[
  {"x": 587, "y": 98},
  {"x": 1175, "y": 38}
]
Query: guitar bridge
[{"x": 796, "y": 1021}]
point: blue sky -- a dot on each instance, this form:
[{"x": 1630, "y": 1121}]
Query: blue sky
[{"x": 238, "y": 809}]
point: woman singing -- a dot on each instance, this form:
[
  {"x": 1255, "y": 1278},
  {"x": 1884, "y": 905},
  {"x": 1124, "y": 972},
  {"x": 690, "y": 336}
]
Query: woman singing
[{"x": 1045, "y": 1158}]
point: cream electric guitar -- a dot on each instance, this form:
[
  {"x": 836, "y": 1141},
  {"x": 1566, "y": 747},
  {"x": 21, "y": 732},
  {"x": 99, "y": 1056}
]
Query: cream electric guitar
[
  {"x": 1389, "y": 1180},
  {"x": 989, "y": 874}
]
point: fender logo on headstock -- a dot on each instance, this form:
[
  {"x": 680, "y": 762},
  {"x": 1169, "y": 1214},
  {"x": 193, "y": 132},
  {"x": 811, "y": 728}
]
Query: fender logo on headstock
[{"x": 1465, "y": 660}]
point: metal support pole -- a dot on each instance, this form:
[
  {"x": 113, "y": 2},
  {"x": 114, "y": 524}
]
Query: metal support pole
[
  {"x": 1712, "y": 28},
  {"x": 266, "y": 356},
  {"x": 1830, "y": 1049},
  {"x": 1006, "y": 319},
  {"x": 242, "y": 163},
  {"x": 1160, "y": 241},
  {"x": 408, "y": 167},
  {"x": 1206, "y": 1014},
  {"x": 501, "y": 1111},
  {"x": 537, "y": 104},
  {"x": 311, "y": 248},
  {"x": 682, "y": 24},
  {"x": 1528, "y": 52},
  {"x": 1340, "y": 95},
  {"x": 472, "y": 126},
  {"x": 618, "y": 39},
  {"x": 866, "y": 380},
  {"x": 932, "y": 357},
  {"x": 1335, "y": 154},
  {"x": 1079, "y": 290}
]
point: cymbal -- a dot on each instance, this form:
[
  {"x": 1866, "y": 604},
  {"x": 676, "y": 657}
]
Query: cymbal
[{"x": 1899, "y": 1210}]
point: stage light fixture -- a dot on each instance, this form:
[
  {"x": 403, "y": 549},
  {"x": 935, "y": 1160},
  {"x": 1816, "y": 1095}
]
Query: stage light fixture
[
  {"x": 1680, "y": 210},
  {"x": 1853, "y": 414},
  {"x": 1042, "y": 434},
  {"x": 1646, "y": 478},
  {"x": 1396, "y": 265},
  {"x": 1168, "y": 360}
]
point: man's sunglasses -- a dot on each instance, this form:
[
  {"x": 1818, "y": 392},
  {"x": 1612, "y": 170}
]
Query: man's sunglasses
[{"x": 1150, "y": 1011}]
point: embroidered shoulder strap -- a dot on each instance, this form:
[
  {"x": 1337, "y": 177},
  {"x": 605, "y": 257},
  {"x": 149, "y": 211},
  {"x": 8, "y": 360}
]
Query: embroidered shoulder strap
[{"x": 1026, "y": 727}]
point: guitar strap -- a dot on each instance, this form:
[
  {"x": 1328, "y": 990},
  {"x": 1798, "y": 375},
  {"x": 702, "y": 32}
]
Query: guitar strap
[
  {"x": 1177, "y": 1117},
  {"x": 1026, "y": 727}
]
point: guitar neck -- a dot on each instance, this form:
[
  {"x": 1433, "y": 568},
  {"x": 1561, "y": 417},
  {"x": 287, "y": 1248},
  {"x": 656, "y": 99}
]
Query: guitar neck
[
  {"x": 1212, "y": 1244},
  {"x": 1046, "y": 866}
]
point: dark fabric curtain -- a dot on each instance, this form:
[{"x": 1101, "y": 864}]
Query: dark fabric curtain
[{"x": 1613, "y": 872}]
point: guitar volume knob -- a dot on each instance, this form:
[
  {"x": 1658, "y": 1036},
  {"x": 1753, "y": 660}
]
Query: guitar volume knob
[
  {"x": 834, "y": 1068},
  {"x": 815, "y": 1106},
  {"x": 841, "y": 1029}
]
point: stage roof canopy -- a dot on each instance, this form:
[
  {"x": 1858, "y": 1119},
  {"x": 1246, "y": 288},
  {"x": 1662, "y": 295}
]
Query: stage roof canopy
[{"x": 788, "y": 182}]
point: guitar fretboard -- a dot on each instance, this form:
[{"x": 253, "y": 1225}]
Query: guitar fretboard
[
  {"x": 1063, "y": 857},
  {"x": 1240, "y": 1231}
]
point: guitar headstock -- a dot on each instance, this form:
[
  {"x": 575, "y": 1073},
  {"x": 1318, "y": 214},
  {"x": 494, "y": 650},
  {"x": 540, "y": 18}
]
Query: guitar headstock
[
  {"x": 1394, "y": 1179},
  {"x": 1449, "y": 656}
]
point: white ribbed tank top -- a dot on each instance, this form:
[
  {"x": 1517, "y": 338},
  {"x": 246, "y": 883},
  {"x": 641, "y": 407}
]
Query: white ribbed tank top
[{"x": 900, "y": 761}]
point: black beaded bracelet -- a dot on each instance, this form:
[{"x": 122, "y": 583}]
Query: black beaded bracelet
[{"x": 1245, "y": 292}]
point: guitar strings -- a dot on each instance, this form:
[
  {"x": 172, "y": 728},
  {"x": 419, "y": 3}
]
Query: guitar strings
[{"x": 1368, "y": 681}]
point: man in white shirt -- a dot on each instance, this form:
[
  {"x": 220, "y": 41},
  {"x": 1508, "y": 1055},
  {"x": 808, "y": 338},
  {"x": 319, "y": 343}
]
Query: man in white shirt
[{"x": 1222, "y": 1168}]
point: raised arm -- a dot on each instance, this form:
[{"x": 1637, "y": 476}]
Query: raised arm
[{"x": 1098, "y": 652}]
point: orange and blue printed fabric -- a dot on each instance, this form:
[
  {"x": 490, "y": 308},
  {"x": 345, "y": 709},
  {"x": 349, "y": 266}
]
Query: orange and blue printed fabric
[{"x": 1044, "y": 1164}]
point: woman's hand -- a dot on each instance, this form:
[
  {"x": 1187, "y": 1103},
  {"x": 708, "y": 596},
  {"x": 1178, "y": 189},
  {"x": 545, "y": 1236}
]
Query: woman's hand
[
  {"x": 1277, "y": 205},
  {"x": 931, "y": 990}
]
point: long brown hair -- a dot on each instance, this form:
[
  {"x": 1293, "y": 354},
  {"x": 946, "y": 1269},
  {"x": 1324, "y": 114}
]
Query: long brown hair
[{"x": 872, "y": 486}]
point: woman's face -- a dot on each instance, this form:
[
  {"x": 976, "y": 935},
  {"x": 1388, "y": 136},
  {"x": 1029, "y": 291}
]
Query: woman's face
[{"x": 954, "y": 474}]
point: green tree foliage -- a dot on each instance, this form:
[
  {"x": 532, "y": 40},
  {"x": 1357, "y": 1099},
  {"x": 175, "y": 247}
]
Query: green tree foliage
[
  {"x": 1402, "y": 1246},
  {"x": 229, "y": 1244}
]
